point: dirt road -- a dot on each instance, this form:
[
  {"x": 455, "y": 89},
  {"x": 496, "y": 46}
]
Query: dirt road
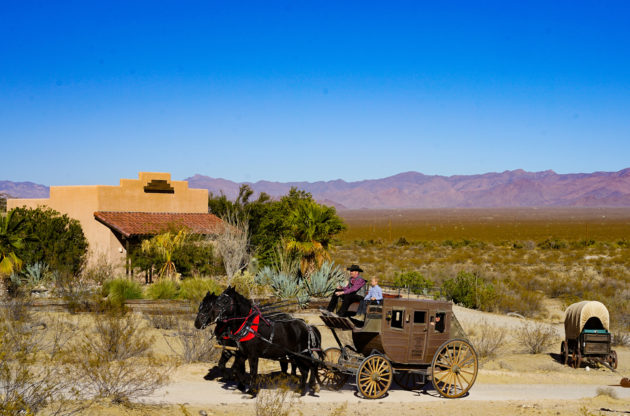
[{"x": 210, "y": 393}]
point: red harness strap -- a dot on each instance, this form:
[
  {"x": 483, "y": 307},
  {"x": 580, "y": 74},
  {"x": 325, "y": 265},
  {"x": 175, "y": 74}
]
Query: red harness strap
[{"x": 252, "y": 330}]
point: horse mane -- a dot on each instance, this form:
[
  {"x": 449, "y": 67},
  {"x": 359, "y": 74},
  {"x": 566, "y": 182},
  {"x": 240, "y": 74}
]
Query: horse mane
[{"x": 244, "y": 304}]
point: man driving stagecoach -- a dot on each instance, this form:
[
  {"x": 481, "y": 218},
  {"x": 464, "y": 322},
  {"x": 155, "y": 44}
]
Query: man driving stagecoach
[{"x": 354, "y": 291}]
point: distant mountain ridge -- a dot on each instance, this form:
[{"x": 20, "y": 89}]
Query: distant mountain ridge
[
  {"x": 515, "y": 188},
  {"x": 24, "y": 189}
]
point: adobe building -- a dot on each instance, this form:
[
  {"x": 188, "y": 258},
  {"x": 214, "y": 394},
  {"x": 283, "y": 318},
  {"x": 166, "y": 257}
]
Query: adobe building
[{"x": 116, "y": 217}]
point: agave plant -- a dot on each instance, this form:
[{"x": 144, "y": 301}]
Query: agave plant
[
  {"x": 285, "y": 286},
  {"x": 323, "y": 281},
  {"x": 35, "y": 273}
]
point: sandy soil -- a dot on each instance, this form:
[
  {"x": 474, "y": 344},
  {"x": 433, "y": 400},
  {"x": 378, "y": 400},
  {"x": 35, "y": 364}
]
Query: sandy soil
[{"x": 513, "y": 383}]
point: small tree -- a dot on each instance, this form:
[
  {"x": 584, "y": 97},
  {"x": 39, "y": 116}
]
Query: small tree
[
  {"x": 471, "y": 290},
  {"x": 233, "y": 244},
  {"x": 52, "y": 238}
]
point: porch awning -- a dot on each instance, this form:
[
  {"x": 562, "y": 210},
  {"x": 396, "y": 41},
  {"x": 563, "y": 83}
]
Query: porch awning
[{"x": 130, "y": 224}]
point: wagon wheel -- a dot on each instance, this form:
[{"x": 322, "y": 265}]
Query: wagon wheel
[
  {"x": 329, "y": 378},
  {"x": 577, "y": 358},
  {"x": 408, "y": 380},
  {"x": 612, "y": 359},
  {"x": 564, "y": 352},
  {"x": 454, "y": 368},
  {"x": 374, "y": 376}
]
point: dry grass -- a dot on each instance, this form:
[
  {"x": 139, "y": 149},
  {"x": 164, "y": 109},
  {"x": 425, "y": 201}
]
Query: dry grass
[{"x": 570, "y": 254}]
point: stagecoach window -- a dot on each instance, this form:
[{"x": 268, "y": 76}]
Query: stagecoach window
[
  {"x": 440, "y": 317},
  {"x": 397, "y": 319},
  {"x": 419, "y": 317}
]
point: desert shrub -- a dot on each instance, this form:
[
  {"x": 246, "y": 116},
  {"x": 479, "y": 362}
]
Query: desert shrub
[
  {"x": 194, "y": 289},
  {"x": 620, "y": 339},
  {"x": 100, "y": 271},
  {"x": 536, "y": 337},
  {"x": 118, "y": 291},
  {"x": 189, "y": 344},
  {"x": 247, "y": 285},
  {"x": 158, "y": 321},
  {"x": 162, "y": 289},
  {"x": 517, "y": 299},
  {"x": 413, "y": 280},
  {"x": 552, "y": 244},
  {"x": 488, "y": 339},
  {"x": 323, "y": 281},
  {"x": 115, "y": 360},
  {"x": 74, "y": 289},
  {"x": 276, "y": 401},
  {"x": 470, "y": 290},
  {"x": 402, "y": 241},
  {"x": 34, "y": 374}
]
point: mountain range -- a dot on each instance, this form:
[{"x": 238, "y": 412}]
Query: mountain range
[{"x": 515, "y": 188}]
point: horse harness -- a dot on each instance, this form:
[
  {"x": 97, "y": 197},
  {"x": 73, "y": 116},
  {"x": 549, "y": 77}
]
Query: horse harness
[{"x": 249, "y": 330}]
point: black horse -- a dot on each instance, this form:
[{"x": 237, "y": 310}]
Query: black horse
[
  {"x": 206, "y": 316},
  {"x": 259, "y": 337}
]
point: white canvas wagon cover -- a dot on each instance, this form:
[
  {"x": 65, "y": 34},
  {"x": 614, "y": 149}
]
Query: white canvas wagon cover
[{"x": 577, "y": 314}]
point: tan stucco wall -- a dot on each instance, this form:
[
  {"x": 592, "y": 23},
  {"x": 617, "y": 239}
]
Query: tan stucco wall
[{"x": 80, "y": 203}]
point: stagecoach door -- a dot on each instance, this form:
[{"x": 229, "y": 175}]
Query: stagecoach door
[
  {"x": 418, "y": 321},
  {"x": 395, "y": 331}
]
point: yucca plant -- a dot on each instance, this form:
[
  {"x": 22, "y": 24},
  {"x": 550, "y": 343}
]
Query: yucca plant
[{"x": 323, "y": 281}]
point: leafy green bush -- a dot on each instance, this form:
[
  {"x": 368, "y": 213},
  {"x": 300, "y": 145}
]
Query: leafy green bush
[
  {"x": 413, "y": 280},
  {"x": 118, "y": 291},
  {"x": 52, "y": 238},
  {"x": 470, "y": 290},
  {"x": 195, "y": 289},
  {"x": 162, "y": 289},
  {"x": 323, "y": 281}
]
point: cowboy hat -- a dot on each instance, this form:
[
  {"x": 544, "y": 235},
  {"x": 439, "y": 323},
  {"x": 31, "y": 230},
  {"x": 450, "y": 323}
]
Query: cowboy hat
[{"x": 355, "y": 268}]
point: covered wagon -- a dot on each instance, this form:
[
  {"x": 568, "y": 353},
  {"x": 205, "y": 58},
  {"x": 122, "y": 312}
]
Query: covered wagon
[{"x": 587, "y": 335}]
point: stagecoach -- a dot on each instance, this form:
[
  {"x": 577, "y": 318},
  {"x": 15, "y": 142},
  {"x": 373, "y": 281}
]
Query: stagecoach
[
  {"x": 587, "y": 337},
  {"x": 407, "y": 341}
]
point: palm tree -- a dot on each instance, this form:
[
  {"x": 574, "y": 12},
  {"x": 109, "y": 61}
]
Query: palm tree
[
  {"x": 312, "y": 229},
  {"x": 10, "y": 241},
  {"x": 164, "y": 245}
]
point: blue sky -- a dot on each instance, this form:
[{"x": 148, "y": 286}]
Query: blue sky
[{"x": 91, "y": 92}]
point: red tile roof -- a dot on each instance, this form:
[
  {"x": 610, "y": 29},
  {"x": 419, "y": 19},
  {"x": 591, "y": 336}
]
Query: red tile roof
[{"x": 149, "y": 223}]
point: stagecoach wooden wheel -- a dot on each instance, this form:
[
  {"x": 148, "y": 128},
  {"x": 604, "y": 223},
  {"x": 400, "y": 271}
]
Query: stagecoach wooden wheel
[
  {"x": 328, "y": 377},
  {"x": 613, "y": 359},
  {"x": 454, "y": 368},
  {"x": 408, "y": 380},
  {"x": 564, "y": 352},
  {"x": 374, "y": 376},
  {"x": 577, "y": 358}
]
